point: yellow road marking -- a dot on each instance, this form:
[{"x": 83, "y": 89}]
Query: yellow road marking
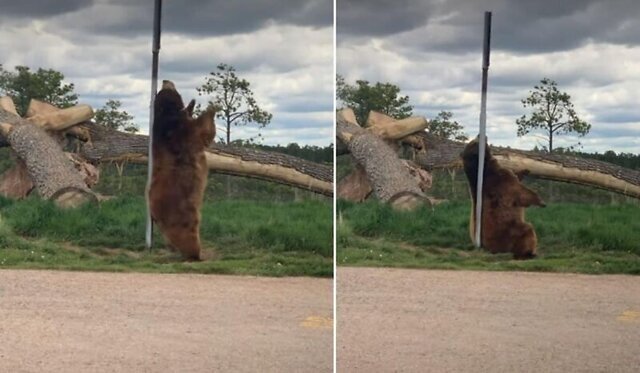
[
  {"x": 317, "y": 322},
  {"x": 629, "y": 316}
]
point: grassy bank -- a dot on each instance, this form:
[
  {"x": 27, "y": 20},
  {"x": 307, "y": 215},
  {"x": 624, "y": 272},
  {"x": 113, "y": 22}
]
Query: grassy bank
[
  {"x": 572, "y": 237},
  {"x": 246, "y": 237}
]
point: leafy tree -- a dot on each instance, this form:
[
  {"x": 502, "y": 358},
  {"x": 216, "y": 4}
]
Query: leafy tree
[
  {"x": 553, "y": 113},
  {"x": 112, "y": 117},
  {"x": 45, "y": 85},
  {"x": 235, "y": 99},
  {"x": 443, "y": 126},
  {"x": 364, "y": 97}
]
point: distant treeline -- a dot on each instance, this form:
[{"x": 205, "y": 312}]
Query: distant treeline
[
  {"x": 628, "y": 160},
  {"x": 309, "y": 152}
]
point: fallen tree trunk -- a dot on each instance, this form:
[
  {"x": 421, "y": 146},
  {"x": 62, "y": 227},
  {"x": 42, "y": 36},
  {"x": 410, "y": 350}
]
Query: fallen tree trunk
[
  {"x": 110, "y": 145},
  {"x": 390, "y": 180},
  {"x": 53, "y": 174},
  {"x": 442, "y": 153}
]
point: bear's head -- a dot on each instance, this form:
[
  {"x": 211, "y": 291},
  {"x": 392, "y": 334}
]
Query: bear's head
[
  {"x": 172, "y": 120},
  {"x": 470, "y": 156}
]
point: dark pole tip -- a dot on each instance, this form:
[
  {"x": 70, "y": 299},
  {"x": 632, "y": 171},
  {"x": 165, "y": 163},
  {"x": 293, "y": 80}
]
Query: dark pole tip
[{"x": 487, "y": 39}]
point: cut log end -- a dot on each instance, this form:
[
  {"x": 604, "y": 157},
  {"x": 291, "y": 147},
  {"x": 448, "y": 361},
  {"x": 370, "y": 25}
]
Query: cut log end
[
  {"x": 72, "y": 197},
  {"x": 355, "y": 187},
  {"x": 16, "y": 182},
  {"x": 408, "y": 201},
  {"x": 5, "y": 129},
  {"x": 7, "y": 104}
]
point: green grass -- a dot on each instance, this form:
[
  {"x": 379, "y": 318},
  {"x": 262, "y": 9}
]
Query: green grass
[
  {"x": 248, "y": 237},
  {"x": 572, "y": 237}
]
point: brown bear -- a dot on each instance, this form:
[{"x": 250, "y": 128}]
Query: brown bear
[
  {"x": 504, "y": 199},
  {"x": 179, "y": 173}
]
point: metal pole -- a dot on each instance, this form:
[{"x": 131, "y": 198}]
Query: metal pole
[
  {"x": 482, "y": 137},
  {"x": 155, "y": 50}
]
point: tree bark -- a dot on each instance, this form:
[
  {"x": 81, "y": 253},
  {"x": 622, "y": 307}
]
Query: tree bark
[
  {"x": 110, "y": 145},
  {"x": 53, "y": 174},
  {"x": 442, "y": 153},
  {"x": 390, "y": 179}
]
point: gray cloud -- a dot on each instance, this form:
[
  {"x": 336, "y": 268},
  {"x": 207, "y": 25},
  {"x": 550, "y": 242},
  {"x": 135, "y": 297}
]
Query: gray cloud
[
  {"x": 42, "y": 8},
  {"x": 519, "y": 26},
  {"x": 283, "y": 48},
  {"x": 589, "y": 47},
  {"x": 625, "y": 115},
  {"x": 126, "y": 19},
  {"x": 380, "y": 17},
  {"x": 302, "y": 104}
]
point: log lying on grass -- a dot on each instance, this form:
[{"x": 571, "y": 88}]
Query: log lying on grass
[
  {"x": 53, "y": 174},
  {"x": 443, "y": 153},
  {"x": 437, "y": 153},
  {"x": 109, "y": 145},
  {"x": 390, "y": 179},
  {"x": 102, "y": 144}
]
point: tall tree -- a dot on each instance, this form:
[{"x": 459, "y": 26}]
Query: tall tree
[
  {"x": 234, "y": 97},
  {"x": 445, "y": 127},
  {"x": 553, "y": 114},
  {"x": 44, "y": 84},
  {"x": 364, "y": 97},
  {"x": 111, "y": 116}
]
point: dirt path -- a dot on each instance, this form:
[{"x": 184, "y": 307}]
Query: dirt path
[
  {"x": 394, "y": 320},
  {"x": 108, "y": 322}
]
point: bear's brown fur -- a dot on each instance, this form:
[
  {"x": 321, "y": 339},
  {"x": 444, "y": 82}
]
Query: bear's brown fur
[
  {"x": 504, "y": 201},
  {"x": 179, "y": 173}
]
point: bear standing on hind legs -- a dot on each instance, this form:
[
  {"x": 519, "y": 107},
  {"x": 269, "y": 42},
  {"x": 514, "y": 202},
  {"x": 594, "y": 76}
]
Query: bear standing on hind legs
[
  {"x": 504, "y": 199},
  {"x": 179, "y": 173}
]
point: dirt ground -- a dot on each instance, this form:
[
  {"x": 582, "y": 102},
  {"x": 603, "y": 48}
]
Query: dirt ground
[
  {"x": 397, "y": 320},
  {"x": 108, "y": 322}
]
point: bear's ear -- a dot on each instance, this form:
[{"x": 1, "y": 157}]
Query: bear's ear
[
  {"x": 207, "y": 117},
  {"x": 189, "y": 108},
  {"x": 212, "y": 110},
  {"x": 206, "y": 125},
  {"x": 525, "y": 197},
  {"x": 168, "y": 84}
]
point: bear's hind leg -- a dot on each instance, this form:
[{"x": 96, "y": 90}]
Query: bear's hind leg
[
  {"x": 187, "y": 242},
  {"x": 525, "y": 244}
]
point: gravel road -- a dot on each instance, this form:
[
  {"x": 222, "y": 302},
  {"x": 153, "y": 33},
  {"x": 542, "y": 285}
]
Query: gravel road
[
  {"x": 54, "y": 321},
  {"x": 397, "y": 320}
]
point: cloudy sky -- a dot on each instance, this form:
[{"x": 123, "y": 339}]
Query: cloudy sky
[
  {"x": 432, "y": 49},
  {"x": 284, "y": 48}
]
